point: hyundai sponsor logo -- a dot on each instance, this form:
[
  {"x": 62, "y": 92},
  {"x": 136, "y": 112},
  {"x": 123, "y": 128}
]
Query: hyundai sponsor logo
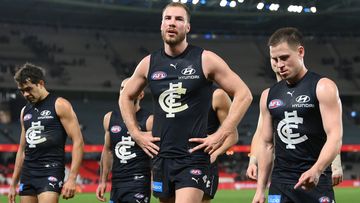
[
  {"x": 45, "y": 113},
  {"x": 188, "y": 71},
  {"x": 302, "y": 99},
  {"x": 302, "y": 102}
]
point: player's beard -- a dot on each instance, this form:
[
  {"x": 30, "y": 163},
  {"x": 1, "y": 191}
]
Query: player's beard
[{"x": 173, "y": 40}]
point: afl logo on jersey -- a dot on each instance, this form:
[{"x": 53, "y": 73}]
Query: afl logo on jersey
[
  {"x": 275, "y": 103},
  {"x": 115, "y": 129},
  {"x": 158, "y": 75},
  {"x": 27, "y": 117},
  {"x": 188, "y": 71}
]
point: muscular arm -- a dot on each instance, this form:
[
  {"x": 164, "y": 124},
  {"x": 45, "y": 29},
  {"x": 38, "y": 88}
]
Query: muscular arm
[
  {"x": 331, "y": 114},
  {"x": 106, "y": 160},
  {"x": 251, "y": 171},
  {"x": 149, "y": 123},
  {"x": 254, "y": 141},
  {"x": 265, "y": 148},
  {"x": 216, "y": 69},
  {"x": 221, "y": 104},
  {"x": 20, "y": 155},
  {"x": 106, "y": 155},
  {"x": 71, "y": 125},
  {"x": 337, "y": 171},
  {"x": 131, "y": 91}
]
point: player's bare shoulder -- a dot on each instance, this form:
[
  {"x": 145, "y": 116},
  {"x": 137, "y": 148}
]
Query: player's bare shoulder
[
  {"x": 325, "y": 84},
  {"x": 62, "y": 106},
  {"x": 326, "y": 88},
  {"x": 264, "y": 94},
  {"x": 212, "y": 64},
  {"x": 209, "y": 57},
  {"x": 106, "y": 120},
  {"x": 142, "y": 68}
]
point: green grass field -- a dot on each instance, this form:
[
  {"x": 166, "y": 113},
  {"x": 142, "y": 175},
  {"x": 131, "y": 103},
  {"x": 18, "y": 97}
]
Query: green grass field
[{"x": 343, "y": 195}]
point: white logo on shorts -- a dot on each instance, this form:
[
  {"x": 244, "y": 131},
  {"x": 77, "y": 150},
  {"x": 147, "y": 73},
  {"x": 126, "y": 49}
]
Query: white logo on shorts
[
  {"x": 196, "y": 180},
  {"x": 204, "y": 178},
  {"x": 52, "y": 184},
  {"x": 208, "y": 184},
  {"x": 138, "y": 177}
]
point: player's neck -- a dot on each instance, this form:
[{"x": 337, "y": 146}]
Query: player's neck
[
  {"x": 175, "y": 50},
  {"x": 44, "y": 94},
  {"x": 137, "y": 107},
  {"x": 298, "y": 77}
]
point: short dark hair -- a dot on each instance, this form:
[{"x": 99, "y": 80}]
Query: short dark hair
[
  {"x": 290, "y": 35},
  {"x": 29, "y": 72},
  {"x": 177, "y": 4}
]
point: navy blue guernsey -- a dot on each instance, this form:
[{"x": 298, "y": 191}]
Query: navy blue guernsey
[
  {"x": 45, "y": 136},
  {"x": 213, "y": 120},
  {"x": 129, "y": 160},
  {"x": 182, "y": 97},
  {"x": 298, "y": 129},
  {"x": 213, "y": 125}
]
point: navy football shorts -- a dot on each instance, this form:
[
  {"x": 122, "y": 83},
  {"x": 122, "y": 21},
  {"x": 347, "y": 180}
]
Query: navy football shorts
[
  {"x": 212, "y": 183},
  {"x": 171, "y": 174},
  {"x": 33, "y": 183},
  {"x": 285, "y": 193}
]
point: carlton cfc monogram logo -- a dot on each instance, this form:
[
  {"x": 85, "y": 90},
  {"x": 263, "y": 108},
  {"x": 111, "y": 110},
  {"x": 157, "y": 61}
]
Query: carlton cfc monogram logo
[
  {"x": 33, "y": 136},
  {"x": 285, "y": 130},
  {"x": 122, "y": 147},
  {"x": 167, "y": 100}
]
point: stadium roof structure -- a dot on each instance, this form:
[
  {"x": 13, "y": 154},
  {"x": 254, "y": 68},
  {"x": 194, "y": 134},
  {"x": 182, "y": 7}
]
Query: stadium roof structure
[{"x": 332, "y": 17}]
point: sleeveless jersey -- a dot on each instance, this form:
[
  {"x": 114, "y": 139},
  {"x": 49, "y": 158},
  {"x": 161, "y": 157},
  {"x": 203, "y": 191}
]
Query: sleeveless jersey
[
  {"x": 45, "y": 136},
  {"x": 182, "y": 97},
  {"x": 298, "y": 129},
  {"x": 129, "y": 160},
  {"x": 213, "y": 125},
  {"x": 213, "y": 121}
]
